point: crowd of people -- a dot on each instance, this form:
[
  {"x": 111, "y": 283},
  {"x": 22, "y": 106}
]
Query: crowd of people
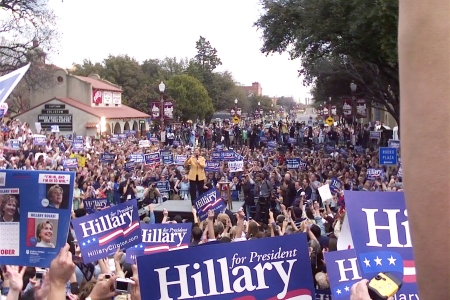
[{"x": 277, "y": 199}]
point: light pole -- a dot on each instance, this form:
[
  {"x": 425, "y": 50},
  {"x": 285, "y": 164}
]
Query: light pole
[
  {"x": 353, "y": 87},
  {"x": 235, "y": 101},
  {"x": 162, "y": 88}
]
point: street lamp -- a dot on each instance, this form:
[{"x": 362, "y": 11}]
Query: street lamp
[
  {"x": 235, "y": 101},
  {"x": 162, "y": 88},
  {"x": 353, "y": 87}
]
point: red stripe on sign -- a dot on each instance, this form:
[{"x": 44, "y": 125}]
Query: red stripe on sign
[
  {"x": 409, "y": 278},
  {"x": 409, "y": 264},
  {"x": 409, "y": 271},
  {"x": 31, "y": 231},
  {"x": 245, "y": 298}
]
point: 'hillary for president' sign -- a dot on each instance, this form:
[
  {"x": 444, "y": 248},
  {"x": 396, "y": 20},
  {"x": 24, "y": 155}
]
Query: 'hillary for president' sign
[
  {"x": 100, "y": 234},
  {"x": 272, "y": 268}
]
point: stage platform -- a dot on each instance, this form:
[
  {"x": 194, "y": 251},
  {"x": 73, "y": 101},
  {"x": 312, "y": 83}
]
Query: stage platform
[{"x": 180, "y": 207}]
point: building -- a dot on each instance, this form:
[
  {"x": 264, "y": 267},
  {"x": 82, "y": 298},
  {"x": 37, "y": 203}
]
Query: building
[
  {"x": 254, "y": 90},
  {"x": 77, "y": 104}
]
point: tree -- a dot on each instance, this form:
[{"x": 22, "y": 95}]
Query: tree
[
  {"x": 191, "y": 100},
  {"x": 336, "y": 37},
  {"x": 286, "y": 102},
  {"x": 206, "y": 56},
  {"x": 264, "y": 101},
  {"x": 25, "y": 26},
  {"x": 87, "y": 68}
]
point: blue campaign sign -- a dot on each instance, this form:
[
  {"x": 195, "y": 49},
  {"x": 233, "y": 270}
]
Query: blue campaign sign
[
  {"x": 207, "y": 201},
  {"x": 394, "y": 144},
  {"x": 380, "y": 231},
  {"x": 387, "y": 156},
  {"x": 343, "y": 271},
  {"x": 212, "y": 166},
  {"x": 152, "y": 158},
  {"x": 34, "y": 221},
  {"x": 161, "y": 238},
  {"x": 166, "y": 156},
  {"x": 107, "y": 157},
  {"x": 100, "y": 234},
  {"x": 293, "y": 163},
  {"x": 9, "y": 81},
  {"x": 335, "y": 185},
  {"x": 272, "y": 268},
  {"x": 94, "y": 205}
]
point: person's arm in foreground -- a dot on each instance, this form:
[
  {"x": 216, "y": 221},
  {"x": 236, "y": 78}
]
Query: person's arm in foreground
[
  {"x": 61, "y": 268},
  {"x": 424, "y": 40}
]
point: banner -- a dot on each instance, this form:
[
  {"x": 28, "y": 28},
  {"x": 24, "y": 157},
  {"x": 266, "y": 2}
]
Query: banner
[
  {"x": 166, "y": 156},
  {"x": 343, "y": 271},
  {"x": 223, "y": 155},
  {"x": 14, "y": 144},
  {"x": 100, "y": 234},
  {"x": 394, "y": 144},
  {"x": 35, "y": 219},
  {"x": 137, "y": 158},
  {"x": 236, "y": 166},
  {"x": 271, "y": 268},
  {"x": 347, "y": 107},
  {"x": 180, "y": 159},
  {"x": 9, "y": 81},
  {"x": 155, "y": 108},
  {"x": 152, "y": 158},
  {"x": 361, "y": 108},
  {"x": 161, "y": 238},
  {"x": 293, "y": 163},
  {"x": 70, "y": 163},
  {"x": 39, "y": 140},
  {"x": 208, "y": 200},
  {"x": 107, "y": 157},
  {"x": 212, "y": 166},
  {"x": 375, "y": 174},
  {"x": 78, "y": 144},
  {"x": 380, "y": 231},
  {"x": 168, "y": 110},
  {"x": 94, "y": 205}
]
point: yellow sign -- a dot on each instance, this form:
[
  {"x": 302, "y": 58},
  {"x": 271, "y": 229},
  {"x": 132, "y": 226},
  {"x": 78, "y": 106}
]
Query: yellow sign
[
  {"x": 329, "y": 121},
  {"x": 236, "y": 120}
]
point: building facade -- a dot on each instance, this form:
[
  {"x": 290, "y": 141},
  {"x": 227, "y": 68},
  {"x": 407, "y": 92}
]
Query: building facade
[
  {"x": 253, "y": 90},
  {"x": 77, "y": 104}
]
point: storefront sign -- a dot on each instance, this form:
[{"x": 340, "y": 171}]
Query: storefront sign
[
  {"x": 117, "y": 98},
  {"x": 63, "y": 121},
  {"x": 107, "y": 97},
  {"x": 55, "y": 111},
  {"x": 54, "y": 106}
]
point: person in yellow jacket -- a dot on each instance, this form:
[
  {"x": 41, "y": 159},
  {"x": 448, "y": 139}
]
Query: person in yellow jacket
[{"x": 196, "y": 164}]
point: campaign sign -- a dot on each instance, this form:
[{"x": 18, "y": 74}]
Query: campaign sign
[
  {"x": 100, "y": 234},
  {"x": 180, "y": 159},
  {"x": 323, "y": 294},
  {"x": 39, "y": 140},
  {"x": 129, "y": 166},
  {"x": 272, "y": 268},
  {"x": 387, "y": 156},
  {"x": 70, "y": 163},
  {"x": 375, "y": 135},
  {"x": 374, "y": 174},
  {"x": 380, "y": 230},
  {"x": 335, "y": 185},
  {"x": 152, "y": 158},
  {"x": 161, "y": 238},
  {"x": 95, "y": 204},
  {"x": 236, "y": 166},
  {"x": 114, "y": 140},
  {"x": 137, "y": 158},
  {"x": 329, "y": 149},
  {"x": 293, "y": 163},
  {"x": 212, "y": 166},
  {"x": 343, "y": 271},
  {"x": 207, "y": 201},
  {"x": 166, "y": 156},
  {"x": 9, "y": 81},
  {"x": 223, "y": 155},
  {"x": 163, "y": 186},
  {"x": 78, "y": 145},
  {"x": 14, "y": 144},
  {"x": 107, "y": 157},
  {"x": 394, "y": 144},
  {"x": 34, "y": 221},
  {"x": 272, "y": 145}
]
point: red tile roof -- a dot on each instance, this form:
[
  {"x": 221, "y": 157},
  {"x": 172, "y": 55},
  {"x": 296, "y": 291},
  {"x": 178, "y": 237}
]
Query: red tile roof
[
  {"x": 122, "y": 112},
  {"x": 100, "y": 84}
]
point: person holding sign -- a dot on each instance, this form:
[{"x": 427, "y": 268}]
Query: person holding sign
[{"x": 196, "y": 164}]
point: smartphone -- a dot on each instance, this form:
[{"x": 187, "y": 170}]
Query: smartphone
[
  {"x": 383, "y": 286},
  {"x": 40, "y": 273},
  {"x": 123, "y": 285}
]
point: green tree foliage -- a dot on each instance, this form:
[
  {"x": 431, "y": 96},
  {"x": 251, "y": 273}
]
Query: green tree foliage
[
  {"x": 140, "y": 81},
  {"x": 338, "y": 42},
  {"x": 190, "y": 97},
  {"x": 264, "y": 101},
  {"x": 286, "y": 102}
]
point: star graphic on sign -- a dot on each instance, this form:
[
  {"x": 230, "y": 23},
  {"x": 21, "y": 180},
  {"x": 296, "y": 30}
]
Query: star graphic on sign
[
  {"x": 142, "y": 246},
  {"x": 338, "y": 292},
  {"x": 93, "y": 239},
  {"x": 378, "y": 261},
  {"x": 367, "y": 262},
  {"x": 347, "y": 289},
  {"x": 84, "y": 244},
  {"x": 392, "y": 260},
  {"x": 89, "y": 241}
]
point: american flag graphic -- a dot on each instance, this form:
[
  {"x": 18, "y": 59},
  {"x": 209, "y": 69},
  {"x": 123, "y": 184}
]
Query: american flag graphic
[
  {"x": 211, "y": 205},
  {"x": 300, "y": 294},
  {"x": 119, "y": 231},
  {"x": 388, "y": 261},
  {"x": 163, "y": 248}
]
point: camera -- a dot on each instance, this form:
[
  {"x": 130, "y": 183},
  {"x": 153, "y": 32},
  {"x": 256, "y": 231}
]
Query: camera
[
  {"x": 123, "y": 285},
  {"x": 107, "y": 276},
  {"x": 383, "y": 286},
  {"x": 40, "y": 273}
]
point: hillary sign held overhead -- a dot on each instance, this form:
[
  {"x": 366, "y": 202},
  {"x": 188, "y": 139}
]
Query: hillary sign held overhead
[
  {"x": 275, "y": 268},
  {"x": 380, "y": 231}
]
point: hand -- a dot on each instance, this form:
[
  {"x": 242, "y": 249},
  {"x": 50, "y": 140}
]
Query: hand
[
  {"x": 62, "y": 267},
  {"x": 135, "y": 290},
  {"x": 165, "y": 212},
  {"x": 118, "y": 255},
  {"x": 41, "y": 287},
  {"x": 71, "y": 296},
  {"x": 194, "y": 211},
  {"x": 210, "y": 214},
  {"x": 150, "y": 207},
  {"x": 15, "y": 277},
  {"x": 104, "y": 288}
]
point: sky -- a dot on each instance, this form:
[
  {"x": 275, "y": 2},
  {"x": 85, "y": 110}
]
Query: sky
[{"x": 93, "y": 29}]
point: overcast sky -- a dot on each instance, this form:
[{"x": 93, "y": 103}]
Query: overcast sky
[{"x": 94, "y": 29}]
